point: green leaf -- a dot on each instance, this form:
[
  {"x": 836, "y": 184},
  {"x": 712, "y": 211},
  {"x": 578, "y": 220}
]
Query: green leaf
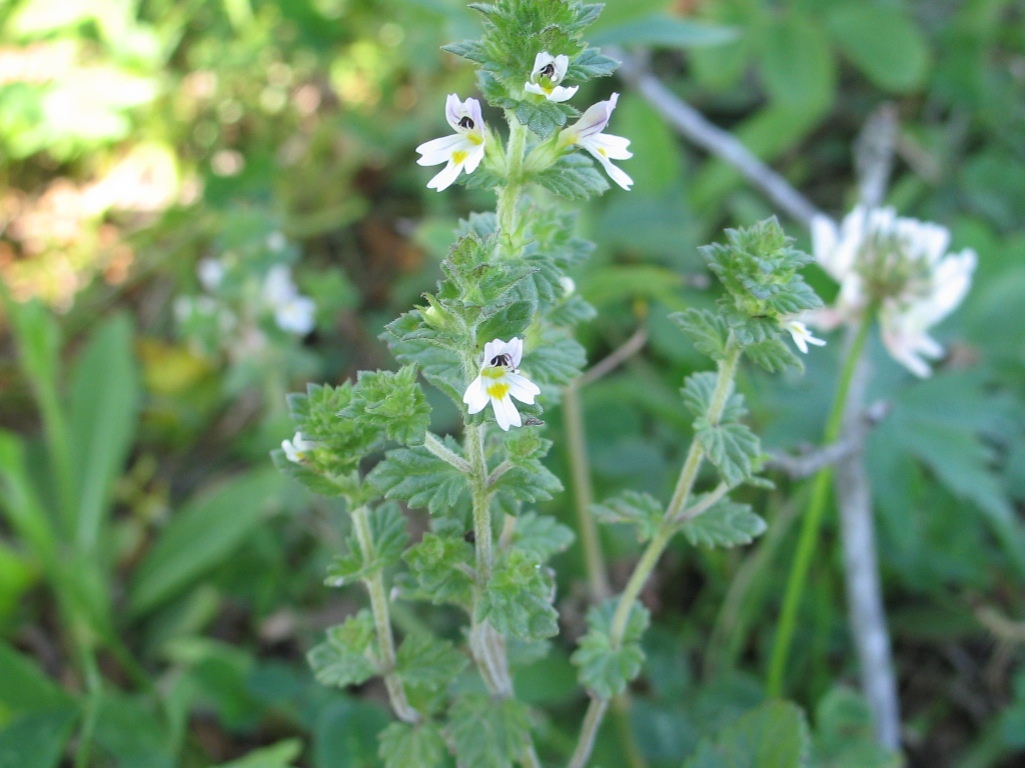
[
  {"x": 488, "y": 732},
  {"x": 348, "y": 656},
  {"x": 589, "y": 64},
  {"x": 280, "y": 755},
  {"x": 421, "y": 479},
  {"x": 733, "y": 448},
  {"x": 556, "y": 359},
  {"x": 543, "y": 117},
  {"x": 412, "y": 340},
  {"x": 697, "y": 392},
  {"x": 442, "y": 566},
  {"x": 573, "y": 177},
  {"x": 663, "y": 31},
  {"x": 388, "y": 540},
  {"x": 512, "y": 320},
  {"x": 21, "y": 505},
  {"x": 36, "y": 739},
  {"x": 640, "y": 509},
  {"x": 412, "y": 746},
  {"x": 26, "y": 687},
  {"x": 129, "y": 730},
  {"x": 517, "y": 599},
  {"x": 774, "y": 355},
  {"x": 706, "y": 330},
  {"x": 529, "y": 481},
  {"x": 725, "y": 524},
  {"x": 605, "y": 669},
  {"x": 844, "y": 736},
  {"x": 883, "y": 42},
  {"x": 392, "y": 401},
  {"x": 424, "y": 661},
  {"x": 541, "y": 536},
  {"x": 773, "y": 735},
  {"x": 339, "y": 444},
  {"x": 201, "y": 535},
  {"x": 103, "y": 415},
  {"x": 797, "y": 64},
  {"x": 307, "y": 476}
]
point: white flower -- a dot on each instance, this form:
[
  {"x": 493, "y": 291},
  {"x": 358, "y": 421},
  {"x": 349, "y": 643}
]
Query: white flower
[
  {"x": 500, "y": 381},
  {"x": 276, "y": 241},
  {"x": 210, "y": 272},
  {"x": 293, "y": 312},
  {"x": 546, "y": 75},
  {"x": 800, "y": 334},
  {"x": 463, "y": 150},
  {"x": 900, "y": 265},
  {"x": 587, "y": 133},
  {"x": 296, "y": 447}
]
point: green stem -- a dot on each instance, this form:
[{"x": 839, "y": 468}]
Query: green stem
[
  {"x": 509, "y": 194},
  {"x": 812, "y": 522},
  {"x": 94, "y": 693},
  {"x": 583, "y": 492},
  {"x": 382, "y": 622}
]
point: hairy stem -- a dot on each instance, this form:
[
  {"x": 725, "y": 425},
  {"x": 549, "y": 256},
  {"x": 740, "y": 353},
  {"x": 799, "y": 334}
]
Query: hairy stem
[
  {"x": 588, "y": 732},
  {"x": 509, "y": 194},
  {"x": 812, "y": 522},
  {"x": 382, "y": 622},
  {"x": 439, "y": 449}
]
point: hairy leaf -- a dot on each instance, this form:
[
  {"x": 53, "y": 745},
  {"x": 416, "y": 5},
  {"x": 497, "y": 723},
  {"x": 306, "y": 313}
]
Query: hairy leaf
[
  {"x": 605, "y": 669},
  {"x": 347, "y": 657},
  {"x": 725, "y": 524},
  {"x": 421, "y": 479},
  {"x": 639, "y": 509},
  {"x": 488, "y": 732},
  {"x": 412, "y": 746},
  {"x": 388, "y": 540},
  {"x": 732, "y": 447},
  {"x": 517, "y": 599}
]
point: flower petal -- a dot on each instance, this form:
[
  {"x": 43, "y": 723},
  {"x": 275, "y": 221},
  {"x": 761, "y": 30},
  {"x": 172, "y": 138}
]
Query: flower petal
[
  {"x": 475, "y": 397},
  {"x": 560, "y": 94},
  {"x": 506, "y": 413},
  {"x": 522, "y": 388},
  {"x": 444, "y": 178},
  {"x": 440, "y": 150},
  {"x": 541, "y": 61}
]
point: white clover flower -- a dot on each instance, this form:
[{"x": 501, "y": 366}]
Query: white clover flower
[
  {"x": 800, "y": 334},
  {"x": 461, "y": 151},
  {"x": 210, "y": 273},
  {"x": 296, "y": 447},
  {"x": 293, "y": 312},
  {"x": 546, "y": 75},
  {"x": 587, "y": 133},
  {"x": 900, "y": 265},
  {"x": 500, "y": 381}
]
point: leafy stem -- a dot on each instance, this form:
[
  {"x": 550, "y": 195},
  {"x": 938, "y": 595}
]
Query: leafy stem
[
  {"x": 509, "y": 195},
  {"x": 439, "y": 449},
  {"x": 382, "y": 622},
  {"x": 812, "y": 521}
]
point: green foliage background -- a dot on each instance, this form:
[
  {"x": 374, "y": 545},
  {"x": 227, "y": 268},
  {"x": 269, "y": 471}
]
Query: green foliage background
[{"x": 160, "y": 583}]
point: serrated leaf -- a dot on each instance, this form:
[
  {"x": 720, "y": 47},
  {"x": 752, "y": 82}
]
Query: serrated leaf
[
  {"x": 517, "y": 600},
  {"x": 511, "y": 320},
  {"x": 844, "y": 735},
  {"x": 442, "y": 566},
  {"x": 425, "y": 661},
  {"x": 774, "y": 355},
  {"x": 697, "y": 392},
  {"x": 412, "y": 746},
  {"x": 725, "y": 524},
  {"x": 339, "y": 445},
  {"x": 774, "y": 735},
  {"x": 392, "y": 401},
  {"x": 411, "y": 340},
  {"x": 541, "y": 536},
  {"x": 488, "y": 732},
  {"x": 605, "y": 669},
  {"x": 573, "y": 177},
  {"x": 544, "y": 117},
  {"x": 556, "y": 360},
  {"x": 388, "y": 540},
  {"x": 706, "y": 330},
  {"x": 733, "y": 448},
  {"x": 531, "y": 481},
  {"x": 347, "y": 657},
  {"x": 589, "y": 64},
  {"x": 639, "y": 509},
  {"x": 421, "y": 479}
]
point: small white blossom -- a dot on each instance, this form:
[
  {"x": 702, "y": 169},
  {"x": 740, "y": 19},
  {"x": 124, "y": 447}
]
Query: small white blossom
[
  {"x": 210, "y": 273},
  {"x": 463, "y": 150},
  {"x": 569, "y": 286},
  {"x": 902, "y": 266},
  {"x": 499, "y": 381},
  {"x": 293, "y": 312},
  {"x": 587, "y": 133},
  {"x": 276, "y": 241},
  {"x": 546, "y": 75},
  {"x": 800, "y": 334},
  {"x": 296, "y": 447}
]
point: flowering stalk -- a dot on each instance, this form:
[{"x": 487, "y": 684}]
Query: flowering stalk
[{"x": 811, "y": 523}]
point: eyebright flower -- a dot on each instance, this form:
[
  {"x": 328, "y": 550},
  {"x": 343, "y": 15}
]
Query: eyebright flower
[
  {"x": 901, "y": 266},
  {"x": 587, "y": 133},
  {"x": 296, "y": 447},
  {"x": 800, "y": 334},
  {"x": 293, "y": 312},
  {"x": 546, "y": 75},
  {"x": 463, "y": 150},
  {"x": 500, "y": 381}
]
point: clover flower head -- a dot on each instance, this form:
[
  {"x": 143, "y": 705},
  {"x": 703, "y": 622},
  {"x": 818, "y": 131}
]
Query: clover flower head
[
  {"x": 499, "y": 381},
  {"x": 901, "y": 265},
  {"x": 293, "y": 312},
  {"x": 800, "y": 334},
  {"x": 546, "y": 75},
  {"x": 461, "y": 151},
  {"x": 296, "y": 447},
  {"x": 587, "y": 133}
]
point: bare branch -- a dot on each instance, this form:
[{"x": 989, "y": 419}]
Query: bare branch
[
  {"x": 620, "y": 355},
  {"x": 694, "y": 126}
]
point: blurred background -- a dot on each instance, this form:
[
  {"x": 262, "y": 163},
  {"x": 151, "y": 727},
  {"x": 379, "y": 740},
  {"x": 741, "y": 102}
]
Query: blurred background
[{"x": 204, "y": 204}]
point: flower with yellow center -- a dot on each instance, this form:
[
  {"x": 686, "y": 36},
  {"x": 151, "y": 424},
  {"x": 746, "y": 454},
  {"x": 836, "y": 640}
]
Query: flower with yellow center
[
  {"x": 499, "y": 381},
  {"x": 587, "y": 133},
  {"x": 461, "y": 151},
  {"x": 546, "y": 75}
]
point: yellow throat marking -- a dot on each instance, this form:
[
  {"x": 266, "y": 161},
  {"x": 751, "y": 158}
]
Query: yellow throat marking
[
  {"x": 459, "y": 156},
  {"x": 498, "y": 390}
]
